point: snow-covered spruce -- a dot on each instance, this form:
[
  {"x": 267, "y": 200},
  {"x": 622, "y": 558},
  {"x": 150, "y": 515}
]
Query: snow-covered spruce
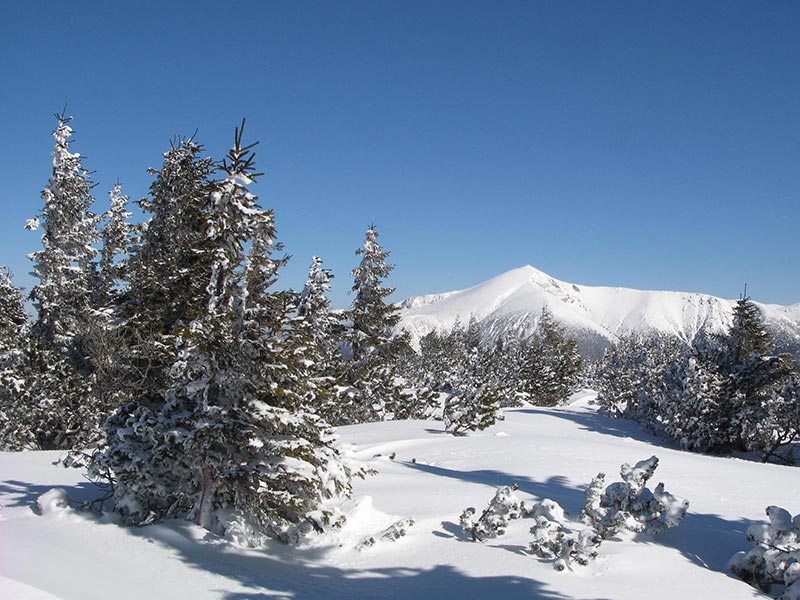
[
  {"x": 16, "y": 432},
  {"x": 493, "y": 521},
  {"x": 547, "y": 366},
  {"x": 65, "y": 409},
  {"x": 630, "y": 505},
  {"x": 775, "y": 558},
  {"x": 472, "y": 410},
  {"x": 234, "y": 442},
  {"x": 373, "y": 389}
]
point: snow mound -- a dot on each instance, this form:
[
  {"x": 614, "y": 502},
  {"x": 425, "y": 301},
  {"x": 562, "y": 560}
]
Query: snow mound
[{"x": 52, "y": 502}]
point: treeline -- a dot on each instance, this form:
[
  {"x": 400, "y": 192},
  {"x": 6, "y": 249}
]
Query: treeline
[{"x": 722, "y": 394}]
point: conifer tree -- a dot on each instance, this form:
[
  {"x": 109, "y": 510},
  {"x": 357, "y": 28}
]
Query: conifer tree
[
  {"x": 64, "y": 266},
  {"x": 550, "y": 365},
  {"x": 372, "y": 318},
  {"x": 167, "y": 270},
  {"x": 315, "y": 308},
  {"x": 322, "y": 330},
  {"x": 116, "y": 239},
  {"x": 374, "y": 389},
  {"x": 15, "y": 433},
  {"x": 13, "y": 318},
  {"x": 64, "y": 411},
  {"x": 746, "y": 335},
  {"x": 235, "y": 444}
]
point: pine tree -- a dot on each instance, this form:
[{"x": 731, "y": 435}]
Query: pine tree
[
  {"x": 746, "y": 335},
  {"x": 372, "y": 378},
  {"x": 64, "y": 266},
  {"x": 322, "y": 330},
  {"x": 116, "y": 240},
  {"x": 15, "y": 433},
  {"x": 235, "y": 444},
  {"x": 13, "y": 318},
  {"x": 168, "y": 270},
  {"x": 372, "y": 318},
  {"x": 64, "y": 410},
  {"x": 551, "y": 364},
  {"x": 314, "y": 308}
]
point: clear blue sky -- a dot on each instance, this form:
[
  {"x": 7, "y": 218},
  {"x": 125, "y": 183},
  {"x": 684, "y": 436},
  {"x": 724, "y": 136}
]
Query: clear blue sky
[{"x": 653, "y": 145}]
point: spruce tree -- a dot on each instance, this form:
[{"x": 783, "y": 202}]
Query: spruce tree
[
  {"x": 235, "y": 444},
  {"x": 372, "y": 318},
  {"x": 167, "y": 269},
  {"x": 314, "y": 307},
  {"x": 550, "y": 364},
  {"x": 746, "y": 334},
  {"x": 15, "y": 431},
  {"x": 372, "y": 378},
  {"x": 322, "y": 331},
  {"x": 63, "y": 297},
  {"x": 64, "y": 411},
  {"x": 116, "y": 240}
]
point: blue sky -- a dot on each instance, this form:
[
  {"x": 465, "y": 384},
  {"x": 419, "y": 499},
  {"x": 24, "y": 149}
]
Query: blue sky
[{"x": 647, "y": 145}]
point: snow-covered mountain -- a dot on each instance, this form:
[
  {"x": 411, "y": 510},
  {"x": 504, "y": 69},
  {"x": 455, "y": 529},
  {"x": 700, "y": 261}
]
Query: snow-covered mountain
[{"x": 595, "y": 316}]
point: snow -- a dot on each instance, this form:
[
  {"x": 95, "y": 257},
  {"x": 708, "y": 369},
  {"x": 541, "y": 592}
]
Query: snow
[
  {"x": 516, "y": 299},
  {"x": 432, "y": 477}
]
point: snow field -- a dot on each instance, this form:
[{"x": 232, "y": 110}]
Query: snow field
[{"x": 549, "y": 453}]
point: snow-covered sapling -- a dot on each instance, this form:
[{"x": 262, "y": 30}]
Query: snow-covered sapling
[
  {"x": 552, "y": 540},
  {"x": 629, "y": 504},
  {"x": 392, "y": 533},
  {"x": 775, "y": 559},
  {"x": 492, "y": 522}
]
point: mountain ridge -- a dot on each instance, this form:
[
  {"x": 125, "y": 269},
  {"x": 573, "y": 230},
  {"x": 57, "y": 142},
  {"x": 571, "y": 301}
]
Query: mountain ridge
[{"x": 596, "y": 316}]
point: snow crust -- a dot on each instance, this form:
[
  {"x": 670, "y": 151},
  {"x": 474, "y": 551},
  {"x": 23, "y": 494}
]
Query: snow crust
[{"x": 424, "y": 475}]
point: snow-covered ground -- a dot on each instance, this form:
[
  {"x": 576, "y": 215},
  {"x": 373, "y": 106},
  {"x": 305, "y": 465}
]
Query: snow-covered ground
[{"x": 550, "y": 453}]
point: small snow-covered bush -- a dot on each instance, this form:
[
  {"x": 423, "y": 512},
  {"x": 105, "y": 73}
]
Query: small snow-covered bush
[
  {"x": 553, "y": 540},
  {"x": 392, "y": 533},
  {"x": 775, "y": 559},
  {"x": 626, "y": 504},
  {"x": 629, "y": 504},
  {"x": 493, "y": 521}
]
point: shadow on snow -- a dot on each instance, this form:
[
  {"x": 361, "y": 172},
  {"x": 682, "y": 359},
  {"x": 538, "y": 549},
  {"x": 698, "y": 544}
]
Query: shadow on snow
[
  {"x": 708, "y": 540},
  {"x": 595, "y": 422}
]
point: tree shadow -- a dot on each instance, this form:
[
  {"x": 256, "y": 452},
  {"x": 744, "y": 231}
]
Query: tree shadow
[
  {"x": 709, "y": 541},
  {"x": 555, "y": 488},
  {"x": 294, "y": 576},
  {"x": 23, "y": 493},
  {"x": 592, "y": 421},
  {"x": 452, "y": 531}
]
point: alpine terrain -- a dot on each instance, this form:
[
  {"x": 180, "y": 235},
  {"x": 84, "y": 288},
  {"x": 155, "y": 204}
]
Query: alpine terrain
[{"x": 595, "y": 316}]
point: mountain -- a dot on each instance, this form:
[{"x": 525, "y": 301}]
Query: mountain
[{"x": 595, "y": 316}]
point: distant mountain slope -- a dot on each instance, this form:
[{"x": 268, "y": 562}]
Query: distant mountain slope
[{"x": 595, "y": 316}]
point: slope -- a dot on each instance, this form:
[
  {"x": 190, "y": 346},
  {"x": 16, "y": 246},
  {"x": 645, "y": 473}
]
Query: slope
[{"x": 550, "y": 453}]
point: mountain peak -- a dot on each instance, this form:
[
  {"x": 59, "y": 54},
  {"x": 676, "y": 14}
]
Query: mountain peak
[{"x": 595, "y": 316}]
